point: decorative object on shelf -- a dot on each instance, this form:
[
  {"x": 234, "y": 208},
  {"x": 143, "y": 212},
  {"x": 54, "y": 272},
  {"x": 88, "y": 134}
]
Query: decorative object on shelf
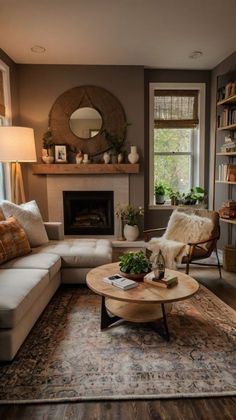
[
  {"x": 47, "y": 159},
  {"x": 106, "y": 157},
  {"x": 60, "y": 153},
  {"x": 160, "y": 191},
  {"x": 228, "y": 210},
  {"x": 116, "y": 142},
  {"x": 133, "y": 156},
  {"x": 129, "y": 215},
  {"x": 48, "y": 147},
  {"x": 120, "y": 157},
  {"x": 68, "y": 115},
  {"x": 134, "y": 265},
  {"x": 158, "y": 266},
  {"x": 79, "y": 157},
  {"x": 85, "y": 159}
]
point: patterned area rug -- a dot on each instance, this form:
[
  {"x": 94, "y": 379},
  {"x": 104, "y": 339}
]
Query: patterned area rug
[{"x": 66, "y": 357}]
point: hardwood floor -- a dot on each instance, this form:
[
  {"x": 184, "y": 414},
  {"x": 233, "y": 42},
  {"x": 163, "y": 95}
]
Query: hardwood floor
[{"x": 175, "y": 409}]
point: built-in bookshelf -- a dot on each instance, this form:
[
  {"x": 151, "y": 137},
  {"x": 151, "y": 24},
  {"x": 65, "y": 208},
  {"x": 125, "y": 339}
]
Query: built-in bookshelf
[{"x": 225, "y": 171}]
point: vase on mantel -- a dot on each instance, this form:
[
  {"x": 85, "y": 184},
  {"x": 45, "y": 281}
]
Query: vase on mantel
[
  {"x": 131, "y": 232},
  {"x": 133, "y": 156}
]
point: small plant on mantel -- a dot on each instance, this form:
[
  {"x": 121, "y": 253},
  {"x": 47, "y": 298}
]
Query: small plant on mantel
[
  {"x": 116, "y": 141},
  {"x": 48, "y": 143}
]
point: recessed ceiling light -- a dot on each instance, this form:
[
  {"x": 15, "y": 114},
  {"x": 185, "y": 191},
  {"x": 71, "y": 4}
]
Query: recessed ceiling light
[
  {"x": 195, "y": 54},
  {"x": 38, "y": 49}
]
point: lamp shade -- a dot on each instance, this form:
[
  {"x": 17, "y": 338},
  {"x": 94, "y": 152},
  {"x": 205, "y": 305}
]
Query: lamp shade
[{"x": 17, "y": 144}]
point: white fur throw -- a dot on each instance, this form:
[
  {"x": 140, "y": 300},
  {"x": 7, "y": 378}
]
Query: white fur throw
[{"x": 182, "y": 229}]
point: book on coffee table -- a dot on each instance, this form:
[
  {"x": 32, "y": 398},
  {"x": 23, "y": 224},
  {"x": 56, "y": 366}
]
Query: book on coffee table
[
  {"x": 121, "y": 282},
  {"x": 167, "y": 281}
]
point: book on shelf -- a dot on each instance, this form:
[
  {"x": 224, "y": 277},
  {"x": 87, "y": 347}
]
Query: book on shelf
[
  {"x": 227, "y": 213},
  {"x": 121, "y": 282},
  {"x": 167, "y": 281}
]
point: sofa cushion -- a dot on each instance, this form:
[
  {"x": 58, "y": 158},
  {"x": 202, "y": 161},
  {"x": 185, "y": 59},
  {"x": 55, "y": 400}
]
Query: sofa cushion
[
  {"x": 13, "y": 240},
  {"x": 29, "y": 216},
  {"x": 50, "y": 262},
  {"x": 80, "y": 252},
  {"x": 19, "y": 290}
]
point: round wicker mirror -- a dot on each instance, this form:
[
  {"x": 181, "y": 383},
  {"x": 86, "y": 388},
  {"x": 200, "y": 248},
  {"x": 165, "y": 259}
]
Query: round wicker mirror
[{"x": 105, "y": 103}]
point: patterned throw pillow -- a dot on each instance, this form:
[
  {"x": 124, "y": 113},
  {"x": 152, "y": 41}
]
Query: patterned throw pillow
[
  {"x": 2, "y": 217},
  {"x": 13, "y": 240}
]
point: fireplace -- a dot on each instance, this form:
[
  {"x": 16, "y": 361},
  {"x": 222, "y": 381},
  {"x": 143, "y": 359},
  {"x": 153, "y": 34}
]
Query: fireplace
[{"x": 88, "y": 212}]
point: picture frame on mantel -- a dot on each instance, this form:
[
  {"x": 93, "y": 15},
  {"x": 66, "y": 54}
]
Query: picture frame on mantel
[{"x": 60, "y": 153}]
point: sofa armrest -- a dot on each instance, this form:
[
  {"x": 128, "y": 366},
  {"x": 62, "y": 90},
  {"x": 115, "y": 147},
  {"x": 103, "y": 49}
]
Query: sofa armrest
[{"x": 54, "y": 230}]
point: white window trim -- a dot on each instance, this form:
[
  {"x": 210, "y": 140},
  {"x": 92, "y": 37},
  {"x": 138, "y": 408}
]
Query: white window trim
[
  {"x": 8, "y": 117},
  {"x": 200, "y": 155}
]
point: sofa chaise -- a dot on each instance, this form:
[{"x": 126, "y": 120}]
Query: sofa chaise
[{"x": 27, "y": 283}]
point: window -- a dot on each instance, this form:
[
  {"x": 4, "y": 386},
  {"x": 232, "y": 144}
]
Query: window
[
  {"x": 5, "y": 119},
  {"x": 176, "y": 136}
]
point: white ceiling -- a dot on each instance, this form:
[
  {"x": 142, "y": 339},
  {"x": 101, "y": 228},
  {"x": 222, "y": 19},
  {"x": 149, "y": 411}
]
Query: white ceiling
[{"x": 151, "y": 33}]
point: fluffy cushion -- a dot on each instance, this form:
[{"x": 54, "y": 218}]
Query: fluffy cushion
[
  {"x": 29, "y": 216},
  {"x": 186, "y": 228},
  {"x": 13, "y": 240}
]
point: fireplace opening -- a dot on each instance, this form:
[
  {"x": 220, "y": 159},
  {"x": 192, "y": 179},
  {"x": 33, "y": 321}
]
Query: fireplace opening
[{"x": 88, "y": 212}]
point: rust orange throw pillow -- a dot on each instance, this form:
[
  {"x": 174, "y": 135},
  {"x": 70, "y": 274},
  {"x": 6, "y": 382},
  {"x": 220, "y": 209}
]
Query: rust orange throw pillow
[
  {"x": 2, "y": 217},
  {"x": 13, "y": 240}
]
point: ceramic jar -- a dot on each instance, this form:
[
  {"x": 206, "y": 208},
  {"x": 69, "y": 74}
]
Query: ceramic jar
[
  {"x": 133, "y": 156},
  {"x": 79, "y": 157},
  {"x": 131, "y": 232},
  {"x": 106, "y": 157}
]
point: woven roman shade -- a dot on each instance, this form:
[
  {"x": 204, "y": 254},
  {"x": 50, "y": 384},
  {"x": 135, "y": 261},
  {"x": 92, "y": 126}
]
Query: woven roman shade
[
  {"x": 175, "y": 108},
  {"x": 2, "y": 103}
]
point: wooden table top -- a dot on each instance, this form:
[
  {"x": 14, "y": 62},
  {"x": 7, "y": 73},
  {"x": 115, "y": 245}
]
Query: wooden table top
[{"x": 145, "y": 292}]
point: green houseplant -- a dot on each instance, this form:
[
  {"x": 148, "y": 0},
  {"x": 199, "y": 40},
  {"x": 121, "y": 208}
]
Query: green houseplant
[
  {"x": 134, "y": 265},
  {"x": 129, "y": 215},
  {"x": 160, "y": 191}
]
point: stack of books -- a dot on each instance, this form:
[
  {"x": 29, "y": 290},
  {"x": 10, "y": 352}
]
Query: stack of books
[
  {"x": 227, "y": 172},
  {"x": 229, "y": 145},
  {"x": 227, "y": 117},
  {"x": 167, "y": 281},
  {"x": 228, "y": 210},
  {"x": 121, "y": 282}
]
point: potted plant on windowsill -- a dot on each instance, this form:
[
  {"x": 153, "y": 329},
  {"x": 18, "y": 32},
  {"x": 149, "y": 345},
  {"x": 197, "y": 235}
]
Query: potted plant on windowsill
[
  {"x": 194, "y": 196},
  {"x": 129, "y": 215},
  {"x": 160, "y": 191},
  {"x": 134, "y": 265}
]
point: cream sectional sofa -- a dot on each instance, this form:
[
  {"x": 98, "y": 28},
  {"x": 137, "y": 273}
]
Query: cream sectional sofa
[{"x": 28, "y": 283}]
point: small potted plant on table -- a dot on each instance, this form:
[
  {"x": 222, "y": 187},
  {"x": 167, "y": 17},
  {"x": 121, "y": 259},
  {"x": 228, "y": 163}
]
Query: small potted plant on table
[{"x": 134, "y": 265}]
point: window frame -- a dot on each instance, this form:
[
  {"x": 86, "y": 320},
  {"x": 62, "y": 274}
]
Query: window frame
[
  {"x": 198, "y": 174},
  {"x": 7, "y": 120}
]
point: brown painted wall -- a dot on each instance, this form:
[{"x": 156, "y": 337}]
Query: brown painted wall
[
  {"x": 221, "y": 192},
  {"x": 40, "y": 85},
  {"x": 159, "y": 218}
]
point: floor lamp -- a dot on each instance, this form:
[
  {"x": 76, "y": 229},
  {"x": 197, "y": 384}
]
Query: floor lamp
[{"x": 17, "y": 145}]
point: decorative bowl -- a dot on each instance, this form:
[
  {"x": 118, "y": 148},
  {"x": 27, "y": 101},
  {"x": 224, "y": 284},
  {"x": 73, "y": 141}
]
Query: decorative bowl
[{"x": 132, "y": 276}]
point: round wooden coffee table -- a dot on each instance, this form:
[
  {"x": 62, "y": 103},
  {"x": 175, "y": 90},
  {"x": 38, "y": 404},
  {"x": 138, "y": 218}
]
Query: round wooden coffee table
[{"x": 145, "y": 303}]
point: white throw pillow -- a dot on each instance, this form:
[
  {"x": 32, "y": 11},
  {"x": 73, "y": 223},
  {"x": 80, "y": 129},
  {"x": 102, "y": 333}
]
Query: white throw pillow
[{"x": 28, "y": 215}]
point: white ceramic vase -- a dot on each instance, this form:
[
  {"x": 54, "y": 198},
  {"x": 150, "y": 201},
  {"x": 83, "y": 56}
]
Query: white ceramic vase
[
  {"x": 133, "y": 156},
  {"x": 131, "y": 232},
  {"x": 106, "y": 157}
]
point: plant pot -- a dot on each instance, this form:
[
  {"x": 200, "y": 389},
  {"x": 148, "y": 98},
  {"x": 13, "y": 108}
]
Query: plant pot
[
  {"x": 135, "y": 277},
  {"x": 160, "y": 199},
  {"x": 131, "y": 233}
]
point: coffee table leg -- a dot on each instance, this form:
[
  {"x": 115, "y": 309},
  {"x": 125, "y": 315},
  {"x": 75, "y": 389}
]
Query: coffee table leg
[
  {"x": 106, "y": 319},
  {"x": 163, "y": 332}
]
